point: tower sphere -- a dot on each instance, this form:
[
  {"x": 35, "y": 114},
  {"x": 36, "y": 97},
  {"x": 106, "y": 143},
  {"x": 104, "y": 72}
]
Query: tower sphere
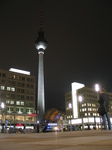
[{"x": 41, "y": 43}]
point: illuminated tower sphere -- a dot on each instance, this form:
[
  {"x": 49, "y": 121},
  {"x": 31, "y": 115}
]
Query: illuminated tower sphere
[{"x": 41, "y": 45}]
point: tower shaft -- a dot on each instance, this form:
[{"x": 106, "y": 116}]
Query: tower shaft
[{"x": 41, "y": 94}]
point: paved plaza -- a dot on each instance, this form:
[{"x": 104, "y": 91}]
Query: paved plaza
[{"x": 73, "y": 140}]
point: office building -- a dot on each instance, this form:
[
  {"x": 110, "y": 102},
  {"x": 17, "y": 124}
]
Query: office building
[{"x": 17, "y": 93}]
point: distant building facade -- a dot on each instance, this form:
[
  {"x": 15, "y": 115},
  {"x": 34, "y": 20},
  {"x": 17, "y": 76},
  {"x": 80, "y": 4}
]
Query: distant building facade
[
  {"x": 17, "y": 92},
  {"x": 86, "y": 106}
]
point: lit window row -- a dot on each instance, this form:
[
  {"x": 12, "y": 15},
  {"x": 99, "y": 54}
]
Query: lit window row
[
  {"x": 94, "y": 114},
  {"x": 83, "y": 105},
  {"x": 17, "y": 102},
  {"x": 89, "y": 109},
  {"x": 8, "y": 88},
  {"x": 89, "y": 104},
  {"x": 69, "y": 117},
  {"x": 20, "y": 110}
]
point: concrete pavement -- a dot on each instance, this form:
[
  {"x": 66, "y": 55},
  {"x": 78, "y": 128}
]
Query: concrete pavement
[{"x": 73, "y": 140}]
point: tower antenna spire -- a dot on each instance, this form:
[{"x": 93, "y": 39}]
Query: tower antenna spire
[{"x": 41, "y": 15}]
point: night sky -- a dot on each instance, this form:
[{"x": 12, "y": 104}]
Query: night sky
[{"x": 79, "y": 36}]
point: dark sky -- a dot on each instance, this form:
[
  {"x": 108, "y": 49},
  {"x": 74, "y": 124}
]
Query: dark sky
[{"x": 79, "y": 36}]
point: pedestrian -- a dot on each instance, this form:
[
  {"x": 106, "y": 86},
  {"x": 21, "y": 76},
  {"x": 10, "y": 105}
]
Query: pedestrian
[{"x": 104, "y": 99}]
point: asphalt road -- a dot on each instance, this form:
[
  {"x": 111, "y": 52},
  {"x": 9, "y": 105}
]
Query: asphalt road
[{"x": 73, "y": 140}]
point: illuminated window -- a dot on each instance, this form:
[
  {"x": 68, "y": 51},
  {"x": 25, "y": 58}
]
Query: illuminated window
[
  {"x": 83, "y": 109},
  {"x": 7, "y": 101},
  {"x": 83, "y": 104},
  {"x": 88, "y": 114},
  {"x": 12, "y": 89},
  {"x": 88, "y": 104},
  {"x": 17, "y": 102},
  {"x": 11, "y": 102},
  {"x": 8, "y": 88},
  {"x": 2, "y": 87},
  {"x": 85, "y": 114},
  {"x": 93, "y": 105},
  {"x": 94, "y": 109},
  {"x": 89, "y": 109},
  {"x": 22, "y": 103},
  {"x": 94, "y": 114}
]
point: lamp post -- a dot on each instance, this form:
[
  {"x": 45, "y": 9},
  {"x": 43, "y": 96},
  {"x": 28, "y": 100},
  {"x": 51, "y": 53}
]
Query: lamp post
[
  {"x": 97, "y": 88},
  {"x": 80, "y": 101},
  {"x": 70, "y": 108},
  {"x": 2, "y": 107}
]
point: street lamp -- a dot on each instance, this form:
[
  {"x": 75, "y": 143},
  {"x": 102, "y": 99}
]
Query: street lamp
[
  {"x": 2, "y": 107},
  {"x": 97, "y": 89},
  {"x": 70, "y": 108},
  {"x": 80, "y": 100}
]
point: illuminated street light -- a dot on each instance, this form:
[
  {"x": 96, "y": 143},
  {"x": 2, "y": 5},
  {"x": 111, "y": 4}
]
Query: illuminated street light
[
  {"x": 2, "y": 105},
  {"x": 80, "y": 100},
  {"x": 70, "y": 108},
  {"x": 97, "y": 87}
]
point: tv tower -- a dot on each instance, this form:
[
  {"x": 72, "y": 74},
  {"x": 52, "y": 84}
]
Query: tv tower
[{"x": 41, "y": 45}]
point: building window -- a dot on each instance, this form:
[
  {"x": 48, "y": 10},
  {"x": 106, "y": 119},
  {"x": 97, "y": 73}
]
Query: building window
[
  {"x": 17, "y": 102},
  {"x": 21, "y": 109},
  {"x": 7, "y": 108},
  {"x": 22, "y": 103},
  {"x": 31, "y": 110},
  {"x": 7, "y": 101},
  {"x": 22, "y": 96},
  {"x": 27, "y": 110},
  {"x": 31, "y": 97},
  {"x": 23, "y": 78},
  {"x": 83, "y": 109},
  {"x": 11, "y": 109},
  {"x": 17, "y": 109},
  {"x": 88, "y": 114},
  {"x": 18, "y": 96},
  {"x": 2, "y": 87},
  {"x": 89, "y": 109},
  {"x": 32, "y": 86},
  {"x": 12, "y": 89},
  {"x": 32, "y": 80},
  {"x": 27, "y": 97},
  {"x": 3, "y": 75},
  {"x": 85, "y": 114},
  {"x": 8, "y": 95},
  {"x": 11, "y": 102},
  {"x": 94, "y": 114},
  {"x": 8, "y": 88}
]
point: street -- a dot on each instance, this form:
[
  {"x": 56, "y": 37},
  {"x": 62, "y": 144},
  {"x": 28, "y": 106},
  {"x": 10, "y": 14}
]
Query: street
[{"x": 73, "y": 140}]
